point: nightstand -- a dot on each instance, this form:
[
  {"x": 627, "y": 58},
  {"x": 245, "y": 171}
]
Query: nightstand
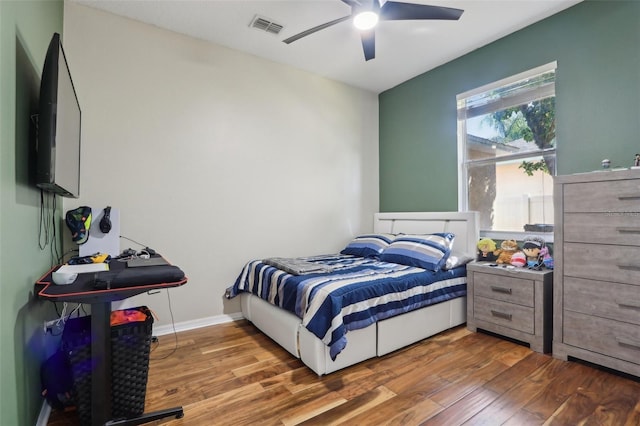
[{"x": 513, "y": 302}]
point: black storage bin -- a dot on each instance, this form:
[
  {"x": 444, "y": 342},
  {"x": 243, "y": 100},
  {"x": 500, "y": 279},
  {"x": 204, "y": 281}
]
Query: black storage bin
[
  {"x": 76, "y": 344},
  {"x": 130, "y": 348}
]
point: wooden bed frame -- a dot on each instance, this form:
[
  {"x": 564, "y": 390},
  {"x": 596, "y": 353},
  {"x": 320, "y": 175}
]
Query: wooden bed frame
[{"x": 384, "y": 336}]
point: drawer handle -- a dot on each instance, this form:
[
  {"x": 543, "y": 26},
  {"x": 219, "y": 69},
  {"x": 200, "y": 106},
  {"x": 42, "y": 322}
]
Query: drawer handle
[
  {"x": 628, "y": 343},
  {"x": 629, "y": 197},
  {"x": 501, "y": 290},
  {"x": 501, "y": 315},
  {"x": 628, "y": 230},
  {"x": 629, "y": 267},
  {"x": 628, "y": 306}
]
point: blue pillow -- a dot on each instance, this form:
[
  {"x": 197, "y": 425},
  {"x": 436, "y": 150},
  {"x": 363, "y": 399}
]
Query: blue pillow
[
  {"x": 424, "y": 251},
  {"x": 370, "y": 245}
]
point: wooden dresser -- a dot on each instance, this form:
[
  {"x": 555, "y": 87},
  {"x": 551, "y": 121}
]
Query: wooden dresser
[
  {"x": 513, "y": 302},
  {"x": 597, "y": 269}
]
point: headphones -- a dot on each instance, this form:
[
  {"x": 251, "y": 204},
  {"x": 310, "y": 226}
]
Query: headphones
[{"x": 105, "y": 222}]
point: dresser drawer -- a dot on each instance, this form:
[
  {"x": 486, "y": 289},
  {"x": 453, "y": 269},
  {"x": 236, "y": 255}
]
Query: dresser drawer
[
  {"x": 509, "y": 315},
  {"x": 508, "y": 289},
  {"x": 608, "y": 337},
  {"x": 608, "y": 300},
  {"x": 603, "y": 196},
  {"x": 603, "y": 228},
  {"x": 603, "y": 262}
]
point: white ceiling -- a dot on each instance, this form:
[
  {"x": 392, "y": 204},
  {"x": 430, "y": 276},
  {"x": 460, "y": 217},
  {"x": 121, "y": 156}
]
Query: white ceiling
[{"x": 404, "y": 49}]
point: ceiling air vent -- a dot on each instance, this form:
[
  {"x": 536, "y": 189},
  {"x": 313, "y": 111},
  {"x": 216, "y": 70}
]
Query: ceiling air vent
[{"x": 265, "y": 24}]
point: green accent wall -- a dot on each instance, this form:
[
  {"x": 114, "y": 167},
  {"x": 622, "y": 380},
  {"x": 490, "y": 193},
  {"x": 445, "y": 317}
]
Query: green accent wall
[
  {"x": 597, "y": 48},
  {"x": 25, "y": 30}
]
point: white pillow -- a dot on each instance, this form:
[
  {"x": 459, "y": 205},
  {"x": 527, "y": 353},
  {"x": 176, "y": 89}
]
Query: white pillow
[{"x": 456, "y": 259}]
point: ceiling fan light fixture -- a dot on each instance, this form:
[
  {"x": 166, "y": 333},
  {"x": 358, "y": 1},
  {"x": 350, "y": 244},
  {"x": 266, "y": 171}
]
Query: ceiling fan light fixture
[
  {"x": 366, "y": 13},
  {"x": 365, "y": 20}
]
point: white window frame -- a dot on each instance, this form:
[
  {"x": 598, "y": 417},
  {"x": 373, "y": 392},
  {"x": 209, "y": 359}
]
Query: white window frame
[{"x": 463, "y": 188}]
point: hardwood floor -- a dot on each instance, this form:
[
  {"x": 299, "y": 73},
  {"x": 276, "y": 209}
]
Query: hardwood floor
[{"x": 232, "y": 374}]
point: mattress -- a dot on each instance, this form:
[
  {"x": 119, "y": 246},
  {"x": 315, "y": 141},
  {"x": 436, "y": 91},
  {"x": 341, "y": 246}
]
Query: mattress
[{"x": 356, "y": 293}]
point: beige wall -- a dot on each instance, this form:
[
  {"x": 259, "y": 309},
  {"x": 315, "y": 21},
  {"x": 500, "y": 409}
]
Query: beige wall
[{"x": 215, "y": 157}]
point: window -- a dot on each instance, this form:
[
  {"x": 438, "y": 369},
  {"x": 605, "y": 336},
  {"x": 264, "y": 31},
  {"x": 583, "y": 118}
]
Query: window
[{"x": 507, "y": 152}]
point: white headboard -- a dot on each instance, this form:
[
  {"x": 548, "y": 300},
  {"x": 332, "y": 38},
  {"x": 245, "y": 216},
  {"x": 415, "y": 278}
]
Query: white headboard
[{"x": 463, "y": 224}]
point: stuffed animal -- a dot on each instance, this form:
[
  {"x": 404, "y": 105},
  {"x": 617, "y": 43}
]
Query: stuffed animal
[
  {"x": 532, "y": 248},
  {"x": 518, "y": 259},
  {"x": 486, "y": 248},
  {"x": 546, "y": 257},
  {"x": 507, "y": 249}
]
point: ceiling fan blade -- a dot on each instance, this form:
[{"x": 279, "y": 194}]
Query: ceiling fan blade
[
  {"x": 315, "y": 29},
  {"x": 393, "y": 11},
  {"x": 368, "y": 43}
]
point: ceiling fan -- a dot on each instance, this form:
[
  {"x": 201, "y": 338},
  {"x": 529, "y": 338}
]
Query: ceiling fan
[{"x": 366, "y": 13}]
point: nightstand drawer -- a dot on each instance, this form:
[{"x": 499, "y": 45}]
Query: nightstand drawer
[
  {"x": 507, "y": 289},
  {"x": 509, "y": 315},
  {"x": 603, "y": 262},
  {"x": 605, "y": 196},
  {"x": 608, "y": 300},
  {"x": 602, "y": 228},
  {"x": 608, "y": 337}
]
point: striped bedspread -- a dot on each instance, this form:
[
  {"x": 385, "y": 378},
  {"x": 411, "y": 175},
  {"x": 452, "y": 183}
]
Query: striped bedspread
[{"x": 359, "y": 292}]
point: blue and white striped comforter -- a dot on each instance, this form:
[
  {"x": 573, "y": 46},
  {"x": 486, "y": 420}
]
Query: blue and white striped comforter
[{"x": 359, "y": 292}]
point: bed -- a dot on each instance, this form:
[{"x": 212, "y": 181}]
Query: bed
[{"x": 412, "y": 302}]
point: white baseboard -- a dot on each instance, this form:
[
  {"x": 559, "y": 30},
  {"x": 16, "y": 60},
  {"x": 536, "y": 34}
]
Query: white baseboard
[
  {"x": 45, "y": 411},
  {"x": 193, "y": 324}
]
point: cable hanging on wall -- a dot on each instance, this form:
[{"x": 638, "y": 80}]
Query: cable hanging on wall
[{"x": 47, "y": 225}]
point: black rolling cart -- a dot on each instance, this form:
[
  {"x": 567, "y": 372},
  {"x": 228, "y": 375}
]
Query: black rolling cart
[{"x": 83, "y": 291}]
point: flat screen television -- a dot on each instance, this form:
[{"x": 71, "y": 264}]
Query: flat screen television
[{"x": 58, "y": 146}]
